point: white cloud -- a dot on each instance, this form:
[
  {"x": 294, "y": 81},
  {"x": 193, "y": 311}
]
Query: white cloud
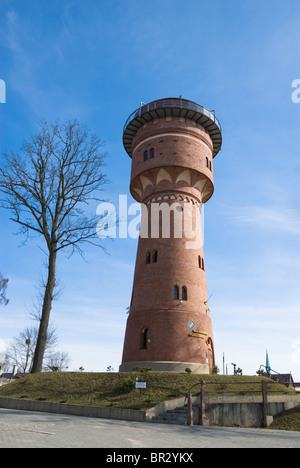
[{"x": 274, "y": 219}]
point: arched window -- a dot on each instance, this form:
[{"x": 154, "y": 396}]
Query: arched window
[
  {"x": 184, "y": 293},
  {"x": 152, "y": 153},
  {"x": 176, "y": 292},
  {"x": 201, "y": 262},
  {"x": 146, "y": 155},
  {"x": 148, "y": 258},
  {"x": 145, "y": 334},
  {"x": 210, "y": 354},
  {"x": 155, "y": 255}
]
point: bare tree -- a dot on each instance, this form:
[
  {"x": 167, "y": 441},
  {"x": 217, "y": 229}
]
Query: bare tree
[
  {"x": 21, "y": 349},
  {"x": 3, "y": 287},
  {"x": 46, "y": 188},
  {"x": 58, "y": 362}
]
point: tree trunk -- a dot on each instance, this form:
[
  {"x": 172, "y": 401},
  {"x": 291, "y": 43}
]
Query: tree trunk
[{"x": 47, "y": 305}]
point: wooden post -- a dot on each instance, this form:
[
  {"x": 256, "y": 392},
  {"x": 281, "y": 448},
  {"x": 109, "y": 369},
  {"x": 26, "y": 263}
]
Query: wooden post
[
  {"x": 190, "y": 411},
  {"x": 265, "y": 402},
  {"x": 202, "y": 415}
]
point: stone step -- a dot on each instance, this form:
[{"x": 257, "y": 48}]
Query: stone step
[{"x": 175, "y": 416}]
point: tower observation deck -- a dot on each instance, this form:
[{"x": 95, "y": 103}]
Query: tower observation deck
[{"x": 172, "y": 143}]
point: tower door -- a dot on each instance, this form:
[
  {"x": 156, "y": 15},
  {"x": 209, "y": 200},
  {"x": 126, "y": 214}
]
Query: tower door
[{"x": 210, "y": 355}]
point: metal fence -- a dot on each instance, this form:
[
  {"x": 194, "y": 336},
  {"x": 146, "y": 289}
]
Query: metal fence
[
  {"x": 172, "y": 102},
  {"x": 264, "y": 388}
]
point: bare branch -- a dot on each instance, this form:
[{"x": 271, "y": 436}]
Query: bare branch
[
  {"x": 47, "y": 187},
  {"x": 3, "y": 287}
]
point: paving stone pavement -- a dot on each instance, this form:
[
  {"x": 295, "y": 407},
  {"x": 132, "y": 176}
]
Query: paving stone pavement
[{"x": 24, "y": 429}]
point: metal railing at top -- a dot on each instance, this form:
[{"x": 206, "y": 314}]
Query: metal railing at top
[
  {"x": 262, "y": 389},
  {"x": 221, "y": 390},
  {"x": 174, "y": 103}
]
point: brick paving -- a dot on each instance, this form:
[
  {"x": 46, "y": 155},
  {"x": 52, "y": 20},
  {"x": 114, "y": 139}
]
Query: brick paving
[{"x": 23, "y": 429}]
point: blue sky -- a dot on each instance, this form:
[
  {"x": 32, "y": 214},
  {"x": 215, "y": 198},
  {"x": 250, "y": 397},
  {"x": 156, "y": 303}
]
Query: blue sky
[{"x": 96, "y": 60}]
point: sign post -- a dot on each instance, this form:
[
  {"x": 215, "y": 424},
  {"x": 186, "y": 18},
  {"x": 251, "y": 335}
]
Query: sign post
[{"x": 140, "y": 385}]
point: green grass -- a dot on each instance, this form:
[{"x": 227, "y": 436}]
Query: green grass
[
  {"x": 106, "y": 389},
  {"x": 287, "y": 421}
]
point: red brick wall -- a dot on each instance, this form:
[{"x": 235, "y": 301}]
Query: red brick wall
[{"x": 180, "y": 148}]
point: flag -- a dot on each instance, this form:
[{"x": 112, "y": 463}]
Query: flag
[{"x": 268, "y": 367}]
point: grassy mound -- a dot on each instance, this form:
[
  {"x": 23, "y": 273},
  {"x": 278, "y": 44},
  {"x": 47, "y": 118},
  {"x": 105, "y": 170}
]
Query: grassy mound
[
  {"x": 287, "y": 421},
  {"x": 109, "y": 389}
]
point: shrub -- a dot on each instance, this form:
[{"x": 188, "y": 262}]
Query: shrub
[{"x": 128, "y": 384}]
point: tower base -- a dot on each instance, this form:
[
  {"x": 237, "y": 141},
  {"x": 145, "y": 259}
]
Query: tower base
[{"x": 166, "y": 366}]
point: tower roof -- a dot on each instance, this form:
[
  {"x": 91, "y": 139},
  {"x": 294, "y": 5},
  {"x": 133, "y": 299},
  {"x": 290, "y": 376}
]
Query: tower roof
[{"x": 176, "y": 107}]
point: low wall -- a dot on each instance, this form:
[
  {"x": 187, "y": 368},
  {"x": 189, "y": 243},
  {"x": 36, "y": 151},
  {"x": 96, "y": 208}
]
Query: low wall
[
  {"x": 76, "y": 410},
  {"x": 220, "y": 410},
  {"x": 235, "y": 414},
  {"x": 164, "y": 406},
  {"x": 224, "y": 410},
  {"x": 244, "y": 411}
]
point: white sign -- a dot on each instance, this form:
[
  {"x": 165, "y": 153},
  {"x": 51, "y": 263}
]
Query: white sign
[{"x": 140, "y": 385}]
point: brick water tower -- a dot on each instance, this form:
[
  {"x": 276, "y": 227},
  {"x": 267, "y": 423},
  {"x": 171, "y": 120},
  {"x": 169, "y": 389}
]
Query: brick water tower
[{"x": 172, "y": 143}]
